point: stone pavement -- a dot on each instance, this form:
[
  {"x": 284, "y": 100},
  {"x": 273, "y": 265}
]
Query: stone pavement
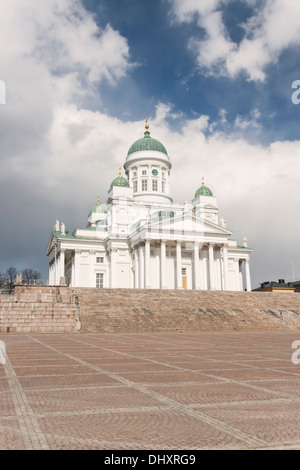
[{"x": 150, "y": 391}]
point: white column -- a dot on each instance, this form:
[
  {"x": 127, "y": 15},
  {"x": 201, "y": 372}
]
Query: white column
[
  {"x": 241, "y": 286},
  {"x": 61, "y": 269},
  {"x": 113, "y": 254},
  {"x": 225, "y": 265},
  {"x": 211, "y": 266},
  {"x": 147, "y": 264},
  {"x": 57, "y": 269},
  {"x": 218, "y": 271},
  {"x": 157, "y": 266},
  {"x": 247, "y": 272},
  {"x": 196, "y": 266},
  {"x": 237, "y": 274},
  {"x": 178, "y": 265},
  {"x": 51, "y": 273},
  {"x": 77, "y": 268},
  {"x": 55, "y": 274},
  {"x": 141, "y": 267},
  {"x": 136, "y": 269},
  {"x": 131, "y": 280},
  {"x": 73, "y": 270},
  {"x": 163, "y": 271},
  {"x": 205, "y": 279}
]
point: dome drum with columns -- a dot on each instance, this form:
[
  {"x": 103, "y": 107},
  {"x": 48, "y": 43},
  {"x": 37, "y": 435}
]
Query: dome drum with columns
[
  {"x": 147, "y": 168},
  {"x": 141, "y": 239}
]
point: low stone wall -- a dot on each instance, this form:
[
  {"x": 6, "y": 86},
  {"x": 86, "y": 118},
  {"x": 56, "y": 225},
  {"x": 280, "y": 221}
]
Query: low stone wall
[
  {"x": 142, "y": 310},
  {"x": 38, "y": 309}
]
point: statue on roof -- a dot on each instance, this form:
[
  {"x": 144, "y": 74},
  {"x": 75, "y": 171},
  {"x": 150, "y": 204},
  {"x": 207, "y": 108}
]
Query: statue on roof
[{"x": 223, "y": 222}]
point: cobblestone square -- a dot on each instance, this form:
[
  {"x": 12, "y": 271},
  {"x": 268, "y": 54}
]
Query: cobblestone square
[{"x": 153, "y": 391}]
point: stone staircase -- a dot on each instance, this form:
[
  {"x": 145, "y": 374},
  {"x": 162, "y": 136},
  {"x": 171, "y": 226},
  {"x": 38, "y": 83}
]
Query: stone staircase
[
  {"x": 141, "y": 310},
  {"x": 53, "y": 309},
  {"x": 38, "y": 309}
]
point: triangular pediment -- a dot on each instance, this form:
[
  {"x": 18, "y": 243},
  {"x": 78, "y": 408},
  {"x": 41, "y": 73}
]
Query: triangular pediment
[
  {"x": 50, "y": 243},
  {"x": 185, "y": 223}
]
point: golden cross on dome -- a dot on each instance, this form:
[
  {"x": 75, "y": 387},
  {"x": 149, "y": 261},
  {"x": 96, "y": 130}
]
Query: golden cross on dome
[
  {"x": 120, "y": 174},
  {"x": 98, "y": 200},
  {"x": 147, "y": 125},
  {"x": 202, "y": 181}
]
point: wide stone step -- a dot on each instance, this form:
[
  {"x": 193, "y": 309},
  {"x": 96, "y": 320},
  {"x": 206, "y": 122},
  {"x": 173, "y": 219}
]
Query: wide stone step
[{"x": 130, "y": 310}]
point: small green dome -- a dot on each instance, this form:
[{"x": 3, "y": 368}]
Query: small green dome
[
  {"x": 97, "y": 207},
  {"x": 120, "y": 181},
  {"x": 147, "y": 143},
  {"x": 203, "y": 191}
]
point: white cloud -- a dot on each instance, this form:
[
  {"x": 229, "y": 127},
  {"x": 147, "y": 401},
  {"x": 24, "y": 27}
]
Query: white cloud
[
  {"x": 63, "y": 37},
  {"x": 54, "y": 57},
  {"x": 273, "y": 27},
  {"x": 217, "y": 45},
  {"x": 55, "y": 52},
  {"x": 252, "y": 121},
  {"x": 222, "y": 115},
  {"x": 188, "y": 10}
]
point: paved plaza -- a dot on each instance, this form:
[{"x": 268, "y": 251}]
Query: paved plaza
[{"x": 150, "y": 391}]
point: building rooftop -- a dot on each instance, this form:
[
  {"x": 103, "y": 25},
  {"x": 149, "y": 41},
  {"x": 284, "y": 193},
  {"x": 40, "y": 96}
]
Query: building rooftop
[{"x": 281, "y": 284}]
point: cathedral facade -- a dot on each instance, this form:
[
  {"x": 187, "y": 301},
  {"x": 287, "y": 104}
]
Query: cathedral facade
[{"x": 141, "y": 239}]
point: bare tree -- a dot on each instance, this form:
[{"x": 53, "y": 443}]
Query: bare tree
[
  {"x": 2, "y": 281},
  {"x": 10, "y": 275},
  {"x": 29, "y": 276}
]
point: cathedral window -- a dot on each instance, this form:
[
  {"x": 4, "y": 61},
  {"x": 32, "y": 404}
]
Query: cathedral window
[
  {"x": 99, "y": 280},
  {"x": 154, "y": 185},
  {"x": 163, "y": 186},
  {"x": 144, "y": 185},
  {"x": 135, "y": 186},
  {"x": 99, "y": 259}
]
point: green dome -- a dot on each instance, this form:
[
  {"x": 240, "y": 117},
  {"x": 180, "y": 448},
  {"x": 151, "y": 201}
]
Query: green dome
[
  {"x": 203, "y": 191},
  {"x": 97, "y": 207},
  {"x": 120, "y": 181},
  {"x": 147, "y": 143}
]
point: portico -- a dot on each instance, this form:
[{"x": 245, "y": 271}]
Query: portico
[{"x": 174, "y": 264}]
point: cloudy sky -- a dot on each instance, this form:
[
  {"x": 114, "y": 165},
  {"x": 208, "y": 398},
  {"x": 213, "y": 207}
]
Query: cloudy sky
[{"x": 215, "y": 79}]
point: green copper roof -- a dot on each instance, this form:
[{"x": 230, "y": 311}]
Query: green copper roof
[
  {"x": 120, "y": 181},
  {"x": 97, "y": 208},
  {"x": 147, "y": 143},
  {"x": 203, "y": 191}
]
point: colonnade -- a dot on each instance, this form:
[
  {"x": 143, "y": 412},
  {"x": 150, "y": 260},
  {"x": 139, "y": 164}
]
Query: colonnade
[{"x": 217, "y": 266}]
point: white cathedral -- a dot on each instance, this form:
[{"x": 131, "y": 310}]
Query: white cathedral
[{"x": 141, "y": 239}]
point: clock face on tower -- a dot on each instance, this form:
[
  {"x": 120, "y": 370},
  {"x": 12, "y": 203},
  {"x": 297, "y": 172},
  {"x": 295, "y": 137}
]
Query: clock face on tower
[{"x": 154, "y": 172}]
